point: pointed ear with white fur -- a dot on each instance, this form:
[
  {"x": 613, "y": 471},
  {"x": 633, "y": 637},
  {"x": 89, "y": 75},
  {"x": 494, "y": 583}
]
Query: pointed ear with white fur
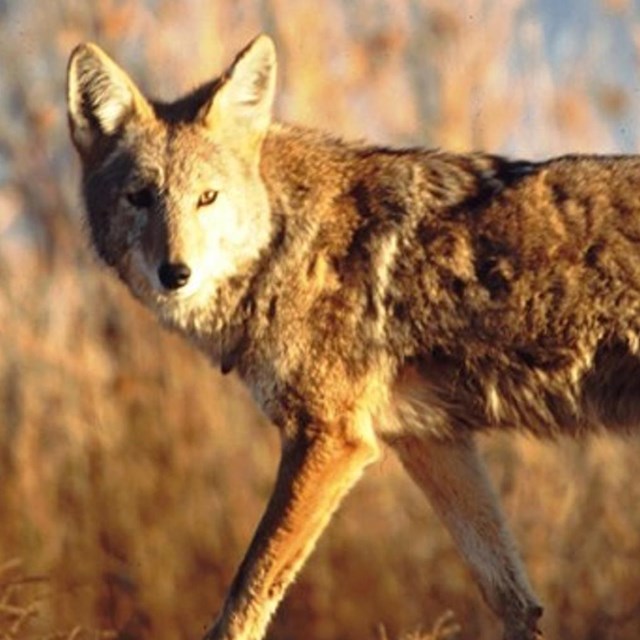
[
  {"x": 243, "y": 101},
  {"x": 101, "y": 98}
]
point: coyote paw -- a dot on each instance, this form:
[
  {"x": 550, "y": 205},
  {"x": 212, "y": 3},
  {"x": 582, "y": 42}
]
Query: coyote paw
[{"x": 526, "y": 629}]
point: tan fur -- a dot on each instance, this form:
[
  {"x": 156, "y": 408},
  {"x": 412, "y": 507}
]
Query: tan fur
[{"x": 366, "y": 294}]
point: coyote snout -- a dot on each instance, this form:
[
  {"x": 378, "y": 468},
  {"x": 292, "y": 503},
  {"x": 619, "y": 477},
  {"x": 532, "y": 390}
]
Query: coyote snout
[
  {"x": 173, "y": 275},
  {"x": 171, "y": 248},
  {"x": 367, "y": 296}
]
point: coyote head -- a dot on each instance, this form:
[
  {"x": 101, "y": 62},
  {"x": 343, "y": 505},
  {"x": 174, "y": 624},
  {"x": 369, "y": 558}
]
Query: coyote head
[{"x": 173, "y": 191}]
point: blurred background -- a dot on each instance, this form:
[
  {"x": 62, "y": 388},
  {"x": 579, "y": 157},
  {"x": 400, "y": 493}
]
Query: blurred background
[{"x": 132, "y": 473}]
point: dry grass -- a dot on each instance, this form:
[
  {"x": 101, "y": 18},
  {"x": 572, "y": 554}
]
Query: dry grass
[
  {"x": 22, "y": 601},
  {"x": 132, "y": 474},
  {"x": 444, "y": 628}
]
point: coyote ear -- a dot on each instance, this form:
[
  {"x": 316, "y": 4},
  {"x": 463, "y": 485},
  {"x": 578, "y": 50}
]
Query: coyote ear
[
  {"x": 101, "y": 97},
  {"x": 243, "y": 101}
]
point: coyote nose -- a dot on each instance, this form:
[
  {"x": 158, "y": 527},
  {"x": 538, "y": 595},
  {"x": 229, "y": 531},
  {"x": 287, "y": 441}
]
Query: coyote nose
[{"x": 173, "y": 275}]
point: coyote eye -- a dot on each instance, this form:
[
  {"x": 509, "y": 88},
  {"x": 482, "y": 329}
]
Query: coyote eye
[
  {"x": 141, "y": 199},
  {"x": 207, "y": 197}
]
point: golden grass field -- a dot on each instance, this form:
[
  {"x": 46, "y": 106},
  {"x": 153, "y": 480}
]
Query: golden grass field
[{"x": 132, "y": 473}]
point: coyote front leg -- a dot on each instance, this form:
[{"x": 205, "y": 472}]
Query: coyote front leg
[
  {"x": 454, "y": 479},
  {"x": 317, "y": 469}
]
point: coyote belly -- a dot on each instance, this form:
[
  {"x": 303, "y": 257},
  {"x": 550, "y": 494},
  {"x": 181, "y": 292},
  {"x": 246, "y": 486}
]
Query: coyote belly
[{"x": 367, "y": 295}]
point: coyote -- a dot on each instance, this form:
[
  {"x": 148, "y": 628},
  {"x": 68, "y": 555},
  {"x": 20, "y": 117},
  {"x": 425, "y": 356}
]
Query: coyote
[{"x": 367, "y": 296}]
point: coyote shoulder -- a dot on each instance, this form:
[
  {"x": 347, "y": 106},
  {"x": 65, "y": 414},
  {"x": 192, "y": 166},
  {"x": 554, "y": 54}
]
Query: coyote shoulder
[{"x": 411, "y": 297}]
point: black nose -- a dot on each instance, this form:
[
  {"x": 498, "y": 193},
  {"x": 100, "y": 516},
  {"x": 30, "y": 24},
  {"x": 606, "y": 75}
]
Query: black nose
[{"x": 173, "y": 275}]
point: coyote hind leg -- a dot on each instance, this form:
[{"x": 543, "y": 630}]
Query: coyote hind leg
[{"x": 453, "y": 477}]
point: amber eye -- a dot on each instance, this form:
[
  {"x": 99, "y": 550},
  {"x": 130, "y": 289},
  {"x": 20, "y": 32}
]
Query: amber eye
[
  {"x": 207, "y": 197},
  {"x": 141, "y": 199}
]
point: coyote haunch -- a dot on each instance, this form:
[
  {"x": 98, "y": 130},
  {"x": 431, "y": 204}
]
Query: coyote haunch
[{"x": 363, "y": 294}]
